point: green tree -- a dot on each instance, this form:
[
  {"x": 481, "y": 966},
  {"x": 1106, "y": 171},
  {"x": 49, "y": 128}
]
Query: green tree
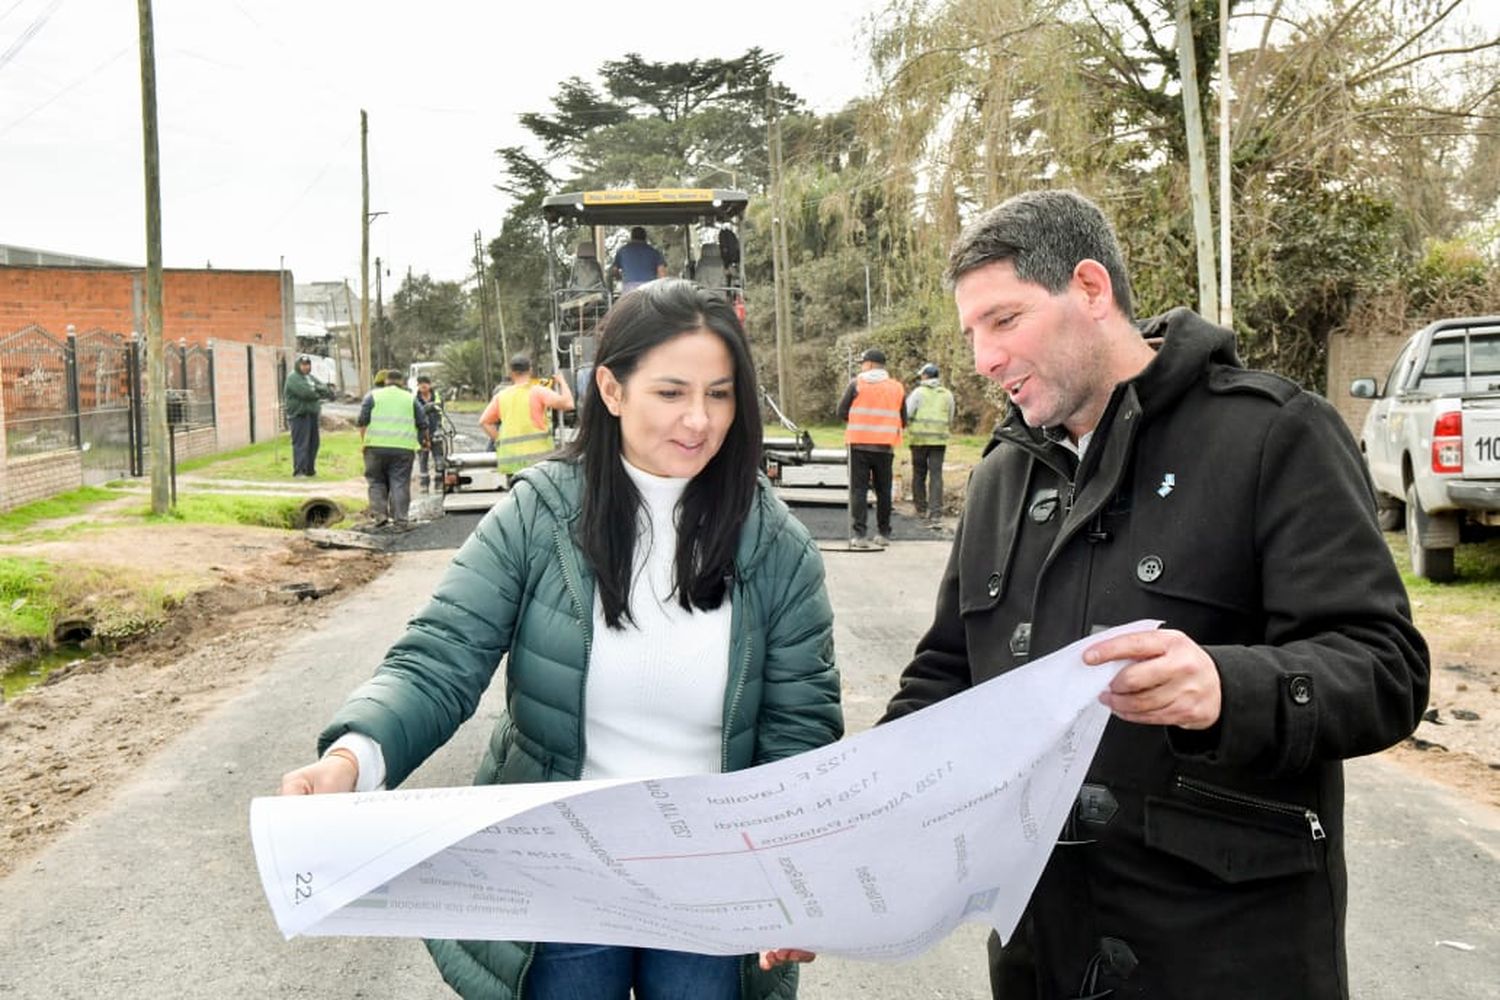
[
  {"x": 423, "y": 316},
  {"x": 643, "y": 124},
  {"x": 1352, "y": 124}
]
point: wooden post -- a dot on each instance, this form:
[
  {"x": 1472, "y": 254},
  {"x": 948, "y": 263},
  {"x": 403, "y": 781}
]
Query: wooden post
[
  {"x": 1203, "y": 224},
  {"x": 484, "y": 317},
  {"x": 779, "y": 278},
  {"x": 365, "y": 375},
  {"x": 1226, "y": 188},
  {"x": 156, "y": 367}
]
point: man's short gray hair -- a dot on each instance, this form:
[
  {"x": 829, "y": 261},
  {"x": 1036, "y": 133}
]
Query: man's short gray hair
[{"x": 1044, "y": 235}]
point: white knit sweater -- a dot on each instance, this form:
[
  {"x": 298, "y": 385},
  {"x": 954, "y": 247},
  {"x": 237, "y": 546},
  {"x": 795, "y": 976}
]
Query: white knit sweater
[{"x": 654, "y": 702}]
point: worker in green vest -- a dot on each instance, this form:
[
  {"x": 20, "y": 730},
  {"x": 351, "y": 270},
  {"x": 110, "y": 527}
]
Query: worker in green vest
[
  {"x": 391, "y": 424},
  {"x": 929, "y": 416},
  {"x": 516, "y": 419}
]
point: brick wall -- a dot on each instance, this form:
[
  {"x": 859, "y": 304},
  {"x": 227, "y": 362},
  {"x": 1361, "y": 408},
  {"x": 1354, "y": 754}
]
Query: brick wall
[
  {"x": 250, "y": 307},
  {"x": 5, "y": 503},
  {"x": 233, "y": 395},
  {"x": 1359, "y": 355},
  {"x": 269, "y": 419},
  {"x": 38, "y": 477},
  {"x": 195, "y": 443},
  {"x": 231, "y": 402}
]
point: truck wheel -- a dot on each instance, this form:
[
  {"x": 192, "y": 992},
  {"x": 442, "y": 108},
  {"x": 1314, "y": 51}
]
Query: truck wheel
[
  {"x": 1432, "y": 564},
  {"x": 1390, "y": 513}
]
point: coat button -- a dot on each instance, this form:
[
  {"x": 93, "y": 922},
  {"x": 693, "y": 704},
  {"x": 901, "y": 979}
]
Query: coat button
[
  {"x": 994, "y": 585},
  {"x": 1044, "y": 505},
  {"x": 1301, "y": 689},
  {"x": 1149, "y": 569}
]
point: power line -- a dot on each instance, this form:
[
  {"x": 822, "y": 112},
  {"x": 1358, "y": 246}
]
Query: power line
[
  {"x": 70, "y": 87},
  {"x": 28, "y": 33},
  {"x": 313, "y": 183},
  {"x": 11, "y": 9}
]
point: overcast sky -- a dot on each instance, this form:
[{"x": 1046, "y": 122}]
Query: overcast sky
[{"x": 259, "y": 100}]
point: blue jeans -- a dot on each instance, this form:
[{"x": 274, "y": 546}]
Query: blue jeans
[{"x": 605, "y": 972}]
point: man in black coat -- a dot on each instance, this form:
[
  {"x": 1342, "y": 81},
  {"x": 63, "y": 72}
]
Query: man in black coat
[{"x": 1205, "y": 854}]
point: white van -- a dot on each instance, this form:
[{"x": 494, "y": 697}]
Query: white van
[{"x": 419, "y": 368}]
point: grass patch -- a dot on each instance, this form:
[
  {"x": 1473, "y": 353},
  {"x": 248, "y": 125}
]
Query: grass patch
[
  {"x": 28, "y": 602},
  {"x": 220, "y": 508},
  {"x": 64, "y": 505},
  {"x": 120, "y": 606},
  {"x": 270, "y": 461},
  {"x": 1477, "y": 589}
]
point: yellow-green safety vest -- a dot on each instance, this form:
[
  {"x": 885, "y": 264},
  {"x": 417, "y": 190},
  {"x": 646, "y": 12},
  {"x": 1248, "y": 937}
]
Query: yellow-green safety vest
[
  {"x": 519, "y": 442},
  {"x": 393, "y": 422},
  {"x": 929, "y": 424}
]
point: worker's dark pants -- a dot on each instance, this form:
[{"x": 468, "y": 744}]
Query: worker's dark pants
[
  {"x": 927, "y": 479},
  {"x": 388, "y": 476},
  {"x": 867, "y": 469},
  {"x": 431, "y": 457},
  {"x": 305, "y": 443}
]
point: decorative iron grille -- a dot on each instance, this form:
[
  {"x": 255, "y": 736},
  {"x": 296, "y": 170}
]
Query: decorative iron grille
[{"x": 41, "y": 407}]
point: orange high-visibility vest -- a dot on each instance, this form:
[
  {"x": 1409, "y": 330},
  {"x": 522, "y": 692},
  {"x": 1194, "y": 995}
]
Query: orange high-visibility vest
[{"x": 875, "y": 414}]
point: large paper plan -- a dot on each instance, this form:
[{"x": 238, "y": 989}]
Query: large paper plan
[{"x": 875, "y": 847}]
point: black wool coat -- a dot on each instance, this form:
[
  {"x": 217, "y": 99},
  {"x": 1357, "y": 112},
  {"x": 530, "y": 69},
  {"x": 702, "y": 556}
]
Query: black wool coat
[{"x": 1235, "y": 507}]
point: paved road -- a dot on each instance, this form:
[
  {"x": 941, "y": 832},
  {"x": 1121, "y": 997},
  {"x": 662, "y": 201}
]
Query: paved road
[{"x": 156, "y": 895}]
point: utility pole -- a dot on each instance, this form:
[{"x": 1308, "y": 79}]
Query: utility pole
[
  {"x": 869, "y": 312},
  {"x": 500, "y": 319},
  {"x": 1226, "y": 191},
  {"x": 364, "y": 253},
  {"x": 356, "y": 341},
  {"x": 385, "y": 342},
  {"x": 1203, "y": 225},
  {"x": 484, "y": 314},
  {"x": 156, "y": 365},
  {"x": 780, "y": 279}
]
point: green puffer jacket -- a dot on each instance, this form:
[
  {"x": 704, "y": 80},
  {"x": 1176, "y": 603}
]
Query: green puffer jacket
[{"x": 519, "y": 586}]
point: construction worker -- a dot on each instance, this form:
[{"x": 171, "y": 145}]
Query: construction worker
[
  {"x": 431, "y": 459},
  {"x": 874, "y": 409},
  {"x": 638, "y": 262},
  {"x": 391, "y": 425},
  {"x": 516, "y": 419},
  {"x": 929, "y": 416}
]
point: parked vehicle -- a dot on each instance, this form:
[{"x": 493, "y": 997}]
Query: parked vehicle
[
  {"x": 1432, "y": 439},
  {"x": 432, "y": 369}
]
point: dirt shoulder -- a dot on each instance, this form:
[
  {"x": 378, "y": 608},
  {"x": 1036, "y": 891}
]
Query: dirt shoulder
[
  {"x": 71, "y": 741},
  {"x": 1458, "y": 742}
]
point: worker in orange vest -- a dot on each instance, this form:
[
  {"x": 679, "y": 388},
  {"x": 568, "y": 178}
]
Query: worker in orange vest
[{"x": 874, "y": 410}]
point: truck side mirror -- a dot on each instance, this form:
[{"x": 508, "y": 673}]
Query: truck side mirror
[{"x": 1362, "y": 388}]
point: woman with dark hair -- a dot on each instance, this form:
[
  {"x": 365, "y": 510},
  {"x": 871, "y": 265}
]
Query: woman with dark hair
[{"x": 659, "y": 611}]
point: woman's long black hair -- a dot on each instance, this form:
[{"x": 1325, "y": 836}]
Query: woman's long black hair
[{"x": 714, "y": 505}]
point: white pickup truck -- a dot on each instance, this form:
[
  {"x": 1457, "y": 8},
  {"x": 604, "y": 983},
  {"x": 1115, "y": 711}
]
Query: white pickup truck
[{"x": 1432, "y": 438}]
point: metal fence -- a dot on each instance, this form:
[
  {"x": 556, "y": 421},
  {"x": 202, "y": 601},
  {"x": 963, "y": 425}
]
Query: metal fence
[
  {"x": 191, "y": 368},
  {"x": 87, "y": 392},
  {"x": 108, "y": 373},
  {"x": 38, "y": 376}
]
